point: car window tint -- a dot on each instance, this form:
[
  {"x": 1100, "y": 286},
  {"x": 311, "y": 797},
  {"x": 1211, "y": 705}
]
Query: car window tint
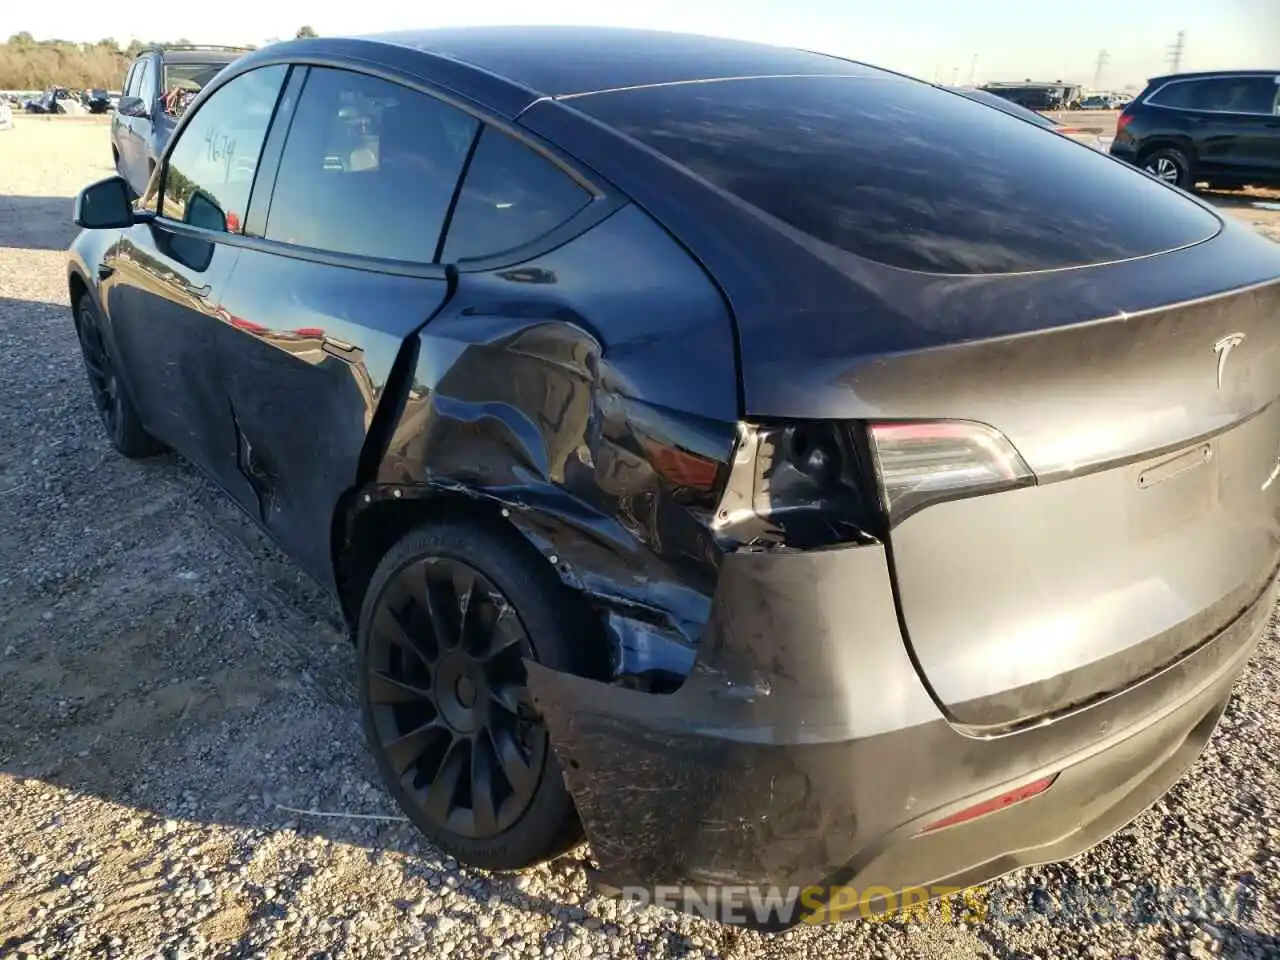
[
  {"x": 1222, "y": 94},
  {"x": 1184, "y": 94},
  {"x": 131, "y": 82},
  {"x": 209, "y": 174},
  {"x": 1236, "y": 94},
  {"x": 907, "y": 174},
  {"x": 182, "y": 81},
  {"x": 511, "y": 196},
  {"x": 369, "y": 168}
]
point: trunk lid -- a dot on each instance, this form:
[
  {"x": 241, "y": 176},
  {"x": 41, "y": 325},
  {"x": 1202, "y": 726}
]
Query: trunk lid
[{"x": 1154, "y": 522}]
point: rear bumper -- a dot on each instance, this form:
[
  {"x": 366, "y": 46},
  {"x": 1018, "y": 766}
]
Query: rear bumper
[
  {"x": 1124, "y": 148},
  {"x": 804, "y": 752}
]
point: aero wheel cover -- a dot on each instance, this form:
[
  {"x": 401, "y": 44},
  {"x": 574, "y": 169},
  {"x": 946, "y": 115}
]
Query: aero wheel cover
[
  {"x": 446, "y": 687},
  {"x": 103, "y": 382}
]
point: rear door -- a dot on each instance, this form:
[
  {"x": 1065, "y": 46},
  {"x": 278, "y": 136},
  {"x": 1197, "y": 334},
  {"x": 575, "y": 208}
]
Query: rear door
[
  {"x": 315, "y": 319},
  {"x": 1261, "y": 148},
  {"x": 1231, "y": 116}
]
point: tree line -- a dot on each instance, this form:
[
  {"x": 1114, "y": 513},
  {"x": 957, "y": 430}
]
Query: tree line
[{"x": 30, "y": 64}]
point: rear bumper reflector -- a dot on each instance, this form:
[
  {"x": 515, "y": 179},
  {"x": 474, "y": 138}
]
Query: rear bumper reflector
[{"x": 1017, "y": 795}]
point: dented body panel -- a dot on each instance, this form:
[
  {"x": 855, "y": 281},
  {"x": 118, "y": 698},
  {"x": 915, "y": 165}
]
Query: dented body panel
[{"x": 597, "y": 406}]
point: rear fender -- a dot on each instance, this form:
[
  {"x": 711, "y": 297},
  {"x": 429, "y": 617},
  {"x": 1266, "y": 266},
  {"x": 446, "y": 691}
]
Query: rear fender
[{"x": 521, "y": 419}]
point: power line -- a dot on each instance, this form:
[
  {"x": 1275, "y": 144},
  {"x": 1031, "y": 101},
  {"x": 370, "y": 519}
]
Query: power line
[{"x": 1174, "y": 59}]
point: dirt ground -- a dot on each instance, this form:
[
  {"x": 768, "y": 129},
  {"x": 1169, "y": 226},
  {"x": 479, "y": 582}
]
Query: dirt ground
[{"x": 173, "y": 692}]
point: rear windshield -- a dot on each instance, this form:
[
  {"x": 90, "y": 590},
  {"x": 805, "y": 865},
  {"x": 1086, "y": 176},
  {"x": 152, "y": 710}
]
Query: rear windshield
[
  {"x": 908, "y": 174},
  {"x": 190, "y": 76}
]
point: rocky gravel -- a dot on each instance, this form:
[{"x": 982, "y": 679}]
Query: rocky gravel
[{"x": 182, "y": 773}]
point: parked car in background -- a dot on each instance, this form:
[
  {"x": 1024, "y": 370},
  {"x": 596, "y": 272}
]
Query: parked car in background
[
  {"x": 775, "y": 524},
  {"x": 1085, "y": 135},
  {"x": 1096, "y": 102},
  {"x": 96, "y": 100},
  {"x": 53, "y": 100},
  {"x": 1119, "y": 101},
  {"x": 1220, "y": 128},
  {"x": 160, "y": 84}
]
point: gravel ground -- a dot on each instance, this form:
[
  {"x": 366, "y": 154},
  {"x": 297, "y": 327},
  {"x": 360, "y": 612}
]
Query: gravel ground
[{"x": 170, "y": 687}]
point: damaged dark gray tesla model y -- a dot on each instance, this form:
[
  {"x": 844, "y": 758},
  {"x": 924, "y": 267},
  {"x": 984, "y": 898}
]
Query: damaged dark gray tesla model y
[{"x": 788, "y": 473}]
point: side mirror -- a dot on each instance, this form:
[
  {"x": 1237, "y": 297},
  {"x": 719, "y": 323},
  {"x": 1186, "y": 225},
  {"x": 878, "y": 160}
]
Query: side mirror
[
  {"x": 202, "y": 210},
  {"x": 131, "y": 107},
  {"x": 105, "y": 205}
]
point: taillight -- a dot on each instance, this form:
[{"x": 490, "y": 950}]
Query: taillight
[
  {"x": 923, "y": 462},
  {"x": 1123, "y": 121}
]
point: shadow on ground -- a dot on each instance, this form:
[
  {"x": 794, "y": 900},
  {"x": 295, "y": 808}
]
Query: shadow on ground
[{"x": 37, "y": 223}]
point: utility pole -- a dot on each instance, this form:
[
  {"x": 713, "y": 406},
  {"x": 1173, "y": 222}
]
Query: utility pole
[
  {"x": 973, "y": 69},
  {"x": 1175, "y": 52},
  {"x": 1103, "y": 57}
]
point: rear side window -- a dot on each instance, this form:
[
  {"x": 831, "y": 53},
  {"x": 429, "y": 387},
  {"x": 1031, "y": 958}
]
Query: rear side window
[
  {"x": 1184, "y": 94},
  {"x": 369, "y": 168},
  {"x": 511, "y": 196},
  {"x": 1258, "y": 94},
  {"x": 1238, "y": 94},
  {"x": 907, "y": 174},
  {"x": 209, "y": 173}
]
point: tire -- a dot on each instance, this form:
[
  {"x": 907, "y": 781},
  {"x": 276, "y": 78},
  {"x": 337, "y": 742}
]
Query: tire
[
  {"x": 119, "y": 416},
  {"x": 418, "y": 738},
  {"x": 1170, "y": 165}
]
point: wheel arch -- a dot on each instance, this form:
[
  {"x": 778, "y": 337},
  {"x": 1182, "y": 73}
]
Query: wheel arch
[
  {"x": 1183, "y": 145},
  {"x": 635, "y": 639},
  {"x": 373, "y": 520},
  {"x": 78, "y": 286}
]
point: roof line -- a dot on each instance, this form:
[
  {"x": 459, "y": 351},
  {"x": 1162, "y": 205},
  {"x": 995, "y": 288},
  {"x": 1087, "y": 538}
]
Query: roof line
[{"x": 681, "y": 83}]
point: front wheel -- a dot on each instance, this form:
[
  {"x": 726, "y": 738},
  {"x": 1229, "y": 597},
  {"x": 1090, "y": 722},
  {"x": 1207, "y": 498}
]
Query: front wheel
[
  {"x": 449, "y": 618},
  {"x": 119, "y": 417},
  {"x": 1170, "y": 165}
]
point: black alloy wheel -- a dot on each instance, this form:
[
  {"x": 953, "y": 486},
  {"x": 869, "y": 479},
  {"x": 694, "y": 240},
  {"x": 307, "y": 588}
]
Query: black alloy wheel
[
  {"x": 449, "y": 619},
  {"x": 446, "y": 687},
  {"x": 123, "y": 426},
  {"x": 103, "y": 383}
]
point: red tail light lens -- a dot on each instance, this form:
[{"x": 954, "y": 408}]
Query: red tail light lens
[{"x": 1121, "y": 122}]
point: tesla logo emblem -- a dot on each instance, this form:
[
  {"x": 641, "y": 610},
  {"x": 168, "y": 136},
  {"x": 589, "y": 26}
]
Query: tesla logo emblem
[{"x": 1223, "y": 349}]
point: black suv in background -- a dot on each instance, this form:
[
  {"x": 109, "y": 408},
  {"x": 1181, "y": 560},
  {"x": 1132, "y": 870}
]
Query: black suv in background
[
  {"x": 159, "y": 85},
  {"x": 1222, "y": 128}
]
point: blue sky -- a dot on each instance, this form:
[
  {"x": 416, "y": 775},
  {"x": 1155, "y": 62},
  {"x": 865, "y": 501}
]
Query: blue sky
[{"x": 933, "y": 39}]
